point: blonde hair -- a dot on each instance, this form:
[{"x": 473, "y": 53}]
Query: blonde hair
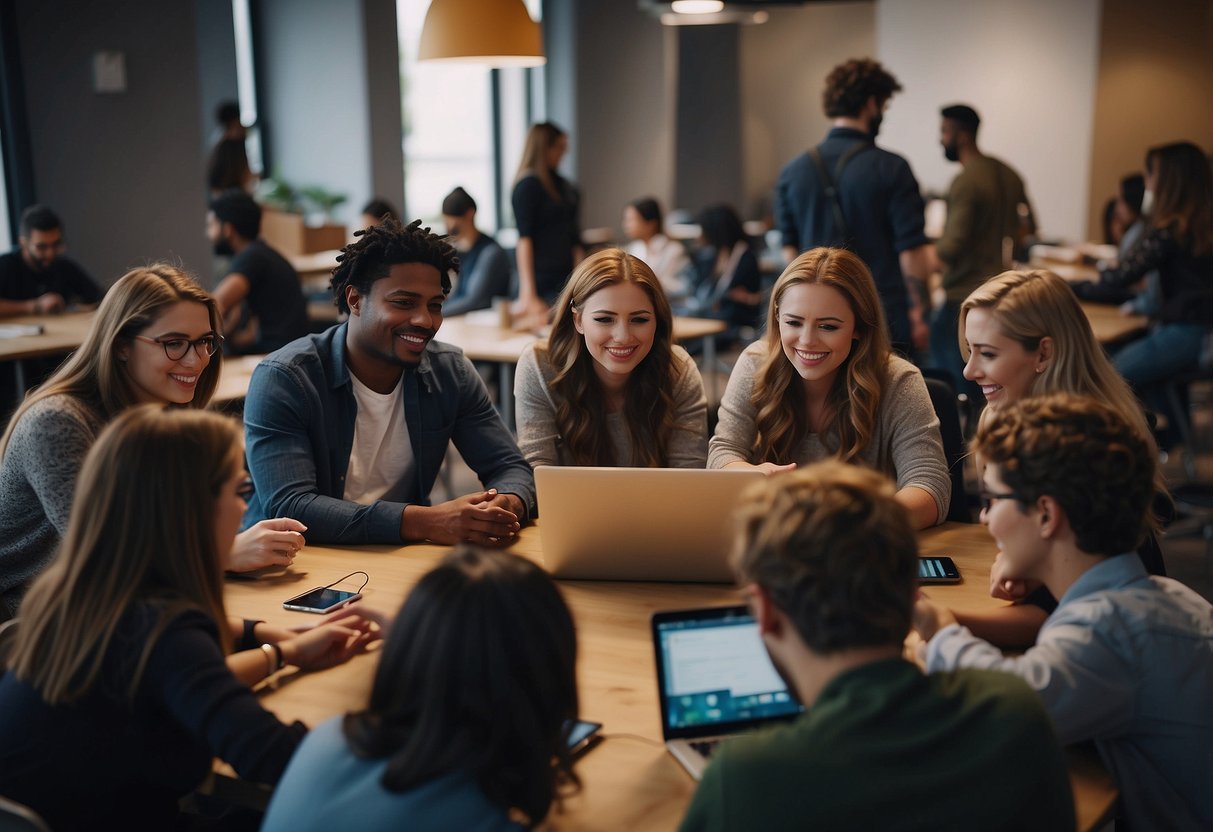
[
  {"x": 145, "y": 534},
  {"x": 854, "y": 398},
  {"x": 1029, "y": 306},
  {"x": 580, "y": 403},
  {"x": 95, "y": 372},
  {"x": 539, "y": 140}
]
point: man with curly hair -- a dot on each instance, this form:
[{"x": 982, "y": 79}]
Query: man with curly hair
[
  {"x": 828, "y": 560},
  {"x": 1126, "y": 659},
  {"x": 345, "y": 430},
  {"x": 847, "y": 192}
]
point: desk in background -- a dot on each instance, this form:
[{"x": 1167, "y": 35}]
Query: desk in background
[
  {"x": 630, "y": 782},
  {"x": 61, "y": 334}
]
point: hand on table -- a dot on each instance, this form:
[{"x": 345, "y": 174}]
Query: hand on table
[
  {"x": 333, "y": 641},
  {"x": 50, "y": 303},
  {"x": 928, "y": 619},
  {"x": 271, "y": 542},
  {"x": 485, "y": 518}
]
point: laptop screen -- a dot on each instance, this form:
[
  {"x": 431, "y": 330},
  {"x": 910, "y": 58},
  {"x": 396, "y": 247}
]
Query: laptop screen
[{"x": 714, "y": 674}]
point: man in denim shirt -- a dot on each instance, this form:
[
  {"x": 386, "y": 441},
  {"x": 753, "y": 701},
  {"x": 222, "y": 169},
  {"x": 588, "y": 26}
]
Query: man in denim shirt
[
  {"x": 1126, "y": 659},
  {"x": 345, "y": 431}
]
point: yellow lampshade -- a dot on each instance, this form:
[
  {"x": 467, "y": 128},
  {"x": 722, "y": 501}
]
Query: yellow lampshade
[{"x": 492, "y": 32}]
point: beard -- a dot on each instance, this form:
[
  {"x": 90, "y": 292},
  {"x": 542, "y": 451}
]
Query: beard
[
  {"x": 951, "y": 152},
  {"x": 874, "y": 124},
  {"x": 222, "y": 248}
]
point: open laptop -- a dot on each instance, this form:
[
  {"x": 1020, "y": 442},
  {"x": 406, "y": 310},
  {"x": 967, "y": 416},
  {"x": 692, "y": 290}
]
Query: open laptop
[
  {"x": 714, "y": 680},
  {"x": 638, "y": 524}
]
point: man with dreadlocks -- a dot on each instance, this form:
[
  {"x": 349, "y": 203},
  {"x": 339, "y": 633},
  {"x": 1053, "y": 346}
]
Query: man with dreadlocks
[{"x": 345, "y": 430}]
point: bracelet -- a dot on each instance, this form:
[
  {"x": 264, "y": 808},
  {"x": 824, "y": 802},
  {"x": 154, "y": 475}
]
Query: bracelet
[
  {"x": 249, "y": 639},
  {"x": 273, "y": 658}
]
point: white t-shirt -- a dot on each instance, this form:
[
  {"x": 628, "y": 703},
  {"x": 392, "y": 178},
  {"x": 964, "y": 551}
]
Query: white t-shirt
[
  {"x": 381, "y": 458},
  {"x": 668, "y": 259}
]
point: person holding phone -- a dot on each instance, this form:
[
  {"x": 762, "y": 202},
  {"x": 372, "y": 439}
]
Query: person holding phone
[
  {"x": 823, "y": 383},
  {"x": 155, "y": 338},
  {"x": 446, "y": 742},
  {"x": 609, "y": 387},
  {"x": 120, "y": 684}
]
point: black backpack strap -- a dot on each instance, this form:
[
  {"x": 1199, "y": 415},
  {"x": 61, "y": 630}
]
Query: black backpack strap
[{"x": 841, "y": 231}]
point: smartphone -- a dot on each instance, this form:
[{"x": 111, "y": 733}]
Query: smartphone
[
  {"x": 322, "y": 599},
  {"x": 937, "y": 570},
  {"x": 583, "y": 736}
]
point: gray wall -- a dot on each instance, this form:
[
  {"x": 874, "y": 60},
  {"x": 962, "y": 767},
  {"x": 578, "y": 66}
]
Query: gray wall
[
  {"x": 216, "y": 39},
  {"x": 123, "y": 169}
]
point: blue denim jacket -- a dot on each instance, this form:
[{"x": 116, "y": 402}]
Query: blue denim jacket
[{"x": 299, "y": 429}]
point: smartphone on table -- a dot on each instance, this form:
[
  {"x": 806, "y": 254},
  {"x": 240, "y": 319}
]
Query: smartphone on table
[
  {"x": 937, "y": 569},
  {"x": 320, "y": 600},
  {"x": 583, "y": 736}
]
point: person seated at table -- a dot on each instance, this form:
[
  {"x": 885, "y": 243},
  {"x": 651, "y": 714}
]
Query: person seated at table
[
  {"x": 609, "y": 387},
  {"x": 1126, "y": 659},
  {"x": 642, "y": 223},
  {"x": 346, "y": 429},
  {"x": 728, "y": 284},
  {"x": 823, "y": 382},
  {"x": 1179, "y": 245},
  {"x": 467, "y": 719},
  {"x": 484, "y": 268},
  {"x": 120, "y": 683},
  {"x": 261, "y": 286},
  {"x": 35, "y": 277},
  {"x": 827, "y": 559},
  {"x": 1023, "y": 334},
  {"x": 376, "y": 211},
  {"x": 155, "y": 339}
]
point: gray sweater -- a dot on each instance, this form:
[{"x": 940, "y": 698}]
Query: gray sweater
[
  {"x": 539, "y": 438},
  {"x": 906, "y": 446},
  {"x": 37, "y": 480}
]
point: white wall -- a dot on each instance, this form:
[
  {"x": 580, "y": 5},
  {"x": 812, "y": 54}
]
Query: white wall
[{"x": 1028, "y": 67}]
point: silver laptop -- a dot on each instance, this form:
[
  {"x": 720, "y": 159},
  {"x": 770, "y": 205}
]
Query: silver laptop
[
  {"x": 714, "y": 680},
  {"x": 638, "y": 524}
]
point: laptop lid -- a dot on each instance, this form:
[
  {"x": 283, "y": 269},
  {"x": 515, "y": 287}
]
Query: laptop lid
[
  {"x": 714, "y": 675},
  {"x": 638, "y": 524}
]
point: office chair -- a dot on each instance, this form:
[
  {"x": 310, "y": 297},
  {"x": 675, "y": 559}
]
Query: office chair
[{"x": 947, "y": 409}]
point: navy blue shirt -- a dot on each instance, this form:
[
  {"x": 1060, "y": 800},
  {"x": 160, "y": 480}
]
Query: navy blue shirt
[
  {"x": 880, "y": 201},
  {"x": 484, "y": 274}
]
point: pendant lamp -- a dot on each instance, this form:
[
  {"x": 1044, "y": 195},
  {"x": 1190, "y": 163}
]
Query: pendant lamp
[{"x": 489, "y": 32}]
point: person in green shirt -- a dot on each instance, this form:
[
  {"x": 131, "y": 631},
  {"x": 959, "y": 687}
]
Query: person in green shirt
[{"x": 828, "y": 561}]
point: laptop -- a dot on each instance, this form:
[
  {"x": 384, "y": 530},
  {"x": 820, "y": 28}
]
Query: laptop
[
  {"x": 638, "y": 524},
  {"x": 714, "y": 680}
]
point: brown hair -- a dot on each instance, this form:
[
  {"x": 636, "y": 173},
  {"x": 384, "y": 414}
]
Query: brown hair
[
  {"x": 854, "y": 399},
  {"x": 580, "y": 404},
  {"x": 1183, "y": 194},
  {"x": 835, "y": 550},
  {"x": 849, "y": 86},
  {"x": 539, "y": 140},
  {"x": 1083, "y": 454}
]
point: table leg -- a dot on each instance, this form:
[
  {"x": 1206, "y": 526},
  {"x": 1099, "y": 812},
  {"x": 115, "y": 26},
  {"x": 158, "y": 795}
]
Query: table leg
[{"x": 709, "y": 367}]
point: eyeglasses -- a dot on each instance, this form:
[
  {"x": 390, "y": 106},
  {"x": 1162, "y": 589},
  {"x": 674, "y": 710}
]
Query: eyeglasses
[
  {"x": 176, "y": 348},
  {"x": 246, "y": 489},
  {"x": 988, "y": 497}
]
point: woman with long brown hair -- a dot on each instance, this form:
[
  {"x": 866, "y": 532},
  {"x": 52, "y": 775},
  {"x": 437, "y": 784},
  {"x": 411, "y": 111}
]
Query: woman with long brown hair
[
  {"x": 546, "y": 207},
  {"x": 609, "y": 387},
  {"x": 120, "y": 684},
  {"x": 823, "y": 383}
]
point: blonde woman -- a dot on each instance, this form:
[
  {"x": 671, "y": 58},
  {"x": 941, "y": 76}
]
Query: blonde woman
[
  {"x": 609, "y": 387},
  {"x": 546, "y": 207},
  {"x": 155, "y": 338},
  {"x": 823, "y": 383},
  {"x": 1023, "y": 334},
  {"x": 121, "y": 684}
]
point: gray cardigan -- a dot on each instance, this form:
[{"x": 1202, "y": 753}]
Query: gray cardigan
[
  {"x": 540, "y": 440},
  {"x": 37, "y": 480},
  {"x": 906, "y": 446}
]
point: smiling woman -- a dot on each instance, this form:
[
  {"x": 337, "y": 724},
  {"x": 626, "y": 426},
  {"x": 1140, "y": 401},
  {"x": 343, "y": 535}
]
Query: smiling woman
[{"x": 609, "y": 388}]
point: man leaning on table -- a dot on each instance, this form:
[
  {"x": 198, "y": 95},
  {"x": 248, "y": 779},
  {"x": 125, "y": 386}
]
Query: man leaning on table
[
  {"x": 1126, "y": 659},
  {"x": 35, "y": 277},
  {"x": 828, "y": 559},
  {"x": 346, "y": 430}
]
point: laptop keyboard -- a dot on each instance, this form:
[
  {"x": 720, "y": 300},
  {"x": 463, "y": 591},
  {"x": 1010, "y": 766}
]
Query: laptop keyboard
[{"x": 704, "y": 747}]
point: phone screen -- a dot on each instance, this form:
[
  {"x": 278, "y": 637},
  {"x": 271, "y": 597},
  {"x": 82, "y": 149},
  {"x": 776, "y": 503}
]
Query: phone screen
[
  {"x": 320, "y": 599},
  {"x": 582, "y": 735},
  {"x": 937, "y": 570}
]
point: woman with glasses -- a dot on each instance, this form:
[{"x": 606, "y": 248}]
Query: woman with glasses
[
  {"x": 1023, "y": 334},
  {"x": 154, "y": 339},
  {"x": 119, "y": 683}
]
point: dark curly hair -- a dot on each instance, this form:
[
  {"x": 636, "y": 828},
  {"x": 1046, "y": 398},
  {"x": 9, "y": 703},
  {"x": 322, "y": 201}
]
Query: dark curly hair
[
  {"x": 836, "y": 552},
  {"x": 382, "y": 246},
  {"x": 1083, "y": 454},
  {"x": 850, "y": 85}
]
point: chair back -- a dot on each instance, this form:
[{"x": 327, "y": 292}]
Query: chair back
[{"x": 943, "y": 399}]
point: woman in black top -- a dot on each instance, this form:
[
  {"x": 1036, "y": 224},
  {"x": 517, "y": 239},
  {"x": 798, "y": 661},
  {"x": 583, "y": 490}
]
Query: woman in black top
[
  {"x": 546, "y": 209},
  {"x": 729, "y": 283},
  {"x": 1178, "y": 243},
  {"x": 117, "y": 688}
]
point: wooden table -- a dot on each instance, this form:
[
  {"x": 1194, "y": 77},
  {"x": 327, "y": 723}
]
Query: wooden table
[
  {"x": 630, "y": 782},
  {"x": 61, "y": 334},
  {"x": 1110, "y": 325}
]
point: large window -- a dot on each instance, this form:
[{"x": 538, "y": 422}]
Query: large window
[{"x": 463, "y": 125}]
